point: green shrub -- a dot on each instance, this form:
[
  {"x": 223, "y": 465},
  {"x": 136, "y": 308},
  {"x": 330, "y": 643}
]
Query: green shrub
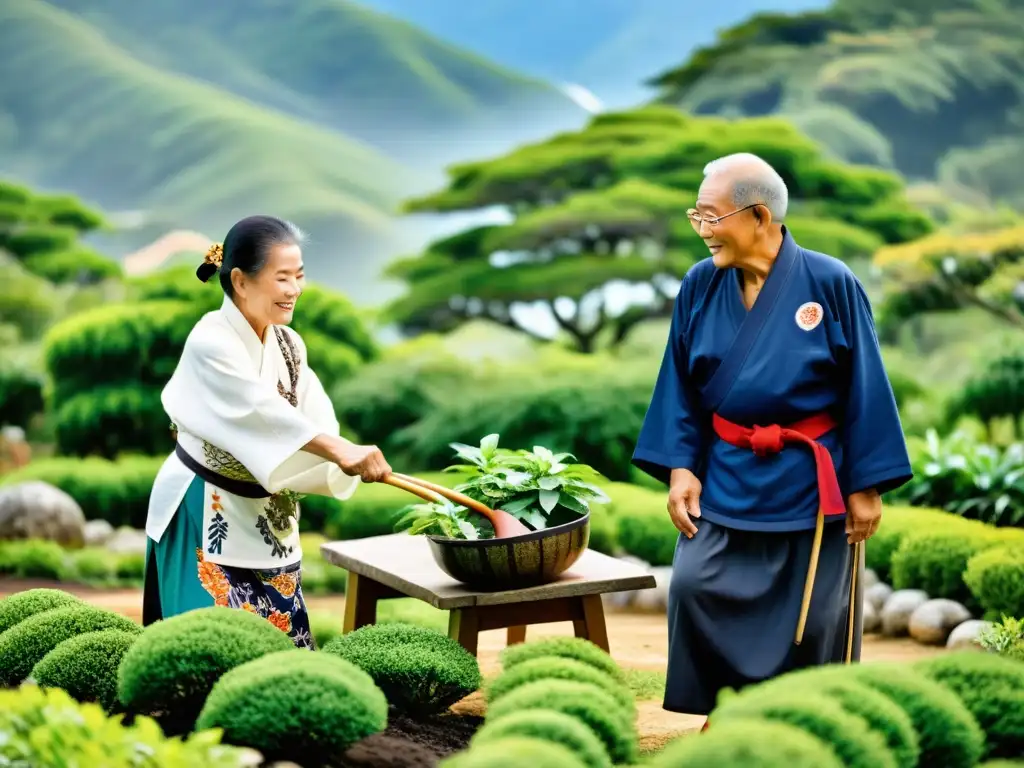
[
  {"x": 46, "y": 727},
  {"x": 515, "y": 752},
  {"x": 996, "y": 579},
  {"x": 603, "y": 530},
  {"x": 131, "y": 567},
  {"x": 935, "y": 562},
  {"x": 25, "y": 644},
  {"x": 112, "y": 420},
  {"x": 560, "y": 668},
  {"x": 649, "y": 535},
  {"x": 115, "y": 491},
  {"x": 898, "y": 523},
  {"x": 32, "y": 559},
  {"x": 568, "y": 647},
  {"x": 170, "y": 670},
  {"x": 21, "y": 396},
  {"x": 93, "y": 566},
  {"x": 548, "y": 725},
  {"x": 421, "y": 671},
  {"x": 1004, "y": 637},
  {"x": 324, "y": 627},
  {"x": 19, "y": 606},
  {"x": 86, "y": 666},
  {"x": 590, "y": 704},
  {"x": 992, "y": 689},
  {"x": 750, "y": 743},
  {"x": 947, "y": 732},
  {"x": 297, "y": 705},
  {"x": 851, "y": 739}
]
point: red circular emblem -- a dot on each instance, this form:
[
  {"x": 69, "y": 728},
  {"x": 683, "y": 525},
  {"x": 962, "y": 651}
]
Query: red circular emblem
[{"x": 809, "y": 315}]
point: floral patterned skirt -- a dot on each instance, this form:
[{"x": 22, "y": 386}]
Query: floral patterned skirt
[{"x": 179, "y": 579}]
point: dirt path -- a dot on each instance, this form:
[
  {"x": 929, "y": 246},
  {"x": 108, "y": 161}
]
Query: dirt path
[{"x": 638, "y": 641}]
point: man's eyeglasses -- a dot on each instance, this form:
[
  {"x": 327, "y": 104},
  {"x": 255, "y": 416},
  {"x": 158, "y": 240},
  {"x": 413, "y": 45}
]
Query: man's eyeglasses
[{"x": 697, "y": 218}]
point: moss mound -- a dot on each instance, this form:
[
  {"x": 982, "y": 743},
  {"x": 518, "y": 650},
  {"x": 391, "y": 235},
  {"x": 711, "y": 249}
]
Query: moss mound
[
  {"x": 296, "y": 705},
  {"x": 556, "y": 727},
  {"x": 421, "y": 671},
  {"x": 560, "y": 668},
  {"x": 751, "y": 744},
  {"x": 515, "y": 752},
  {"x": 569, "y": 647},
  {"x": 25, "y": 644},
  {"x": 18, "y": 607},
  {"x": 86, "y": 666}
]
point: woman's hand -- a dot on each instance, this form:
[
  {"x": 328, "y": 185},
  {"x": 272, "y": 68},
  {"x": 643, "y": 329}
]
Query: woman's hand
[
  {"x": 367, "y": 461},
  {"x": 684, "y": 501}
]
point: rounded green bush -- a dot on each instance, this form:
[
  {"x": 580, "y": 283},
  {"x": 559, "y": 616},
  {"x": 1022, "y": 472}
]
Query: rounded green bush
[
  {"x": 298, "y": 705},
  {"x": 880, "y": 712},
  {"x": 948, "y": 734},
  {"x": 171, "y": 669},
  {"x": 935, "y": 562},
  {"x": 21, "y": 605},
  {"x": 25, "y": 644},
  {"x": 588, "y": 703},
  {"x": 33, "y": 559},
  {"x": 422, "y": 671},
  {"x": 515, "y": 752},
  {"x": 992, "y": 689},
  {"x": 560, "y": 668},
  {"x": 996, "y": 579},
  {"x": 851, "y": 739},
  {"x": 86, "y": 666},
  {"x": 750, "y": 743},
  {"x": 556, "y": 727},
  {"x": 569, "y": 647}
]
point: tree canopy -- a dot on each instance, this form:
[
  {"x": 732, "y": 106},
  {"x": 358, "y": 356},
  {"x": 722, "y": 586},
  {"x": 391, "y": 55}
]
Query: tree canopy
[
  {"x": 932, "y": 88},
  {"x": 603, "y": 209}
]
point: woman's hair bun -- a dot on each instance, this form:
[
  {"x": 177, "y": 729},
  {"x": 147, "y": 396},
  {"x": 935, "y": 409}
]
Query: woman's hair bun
[{"x": 211, "y": 262}]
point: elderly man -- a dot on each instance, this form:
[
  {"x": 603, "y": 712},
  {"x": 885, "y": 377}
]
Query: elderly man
[{"x": 772, "y": 422}]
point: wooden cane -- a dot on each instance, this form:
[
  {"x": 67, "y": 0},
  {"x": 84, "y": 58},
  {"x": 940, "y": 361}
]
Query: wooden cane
[
  {"x": 852, "y": 619},
  {"x": 812, "y": 571}
]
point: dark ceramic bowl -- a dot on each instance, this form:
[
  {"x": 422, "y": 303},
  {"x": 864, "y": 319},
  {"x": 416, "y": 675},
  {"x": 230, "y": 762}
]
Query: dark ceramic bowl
[{"x": 494, "y": 565}]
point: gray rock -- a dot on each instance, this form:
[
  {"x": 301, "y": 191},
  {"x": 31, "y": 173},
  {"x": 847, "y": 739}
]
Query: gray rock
[
  {"x": 877, "y": 594},
  {"x": 872, "y": 621},
  {"x": 870, "y": 578},
  {"x": 38, "y": 510},
  {"x": 932, "y": 622},
  {"x": 966, "y": 634},
  {"x": 655, "y": 598},
  {"x": 98, "y": 533},
  {"x": 127, "y": 541},
  {"x": 897, "y": 610}
]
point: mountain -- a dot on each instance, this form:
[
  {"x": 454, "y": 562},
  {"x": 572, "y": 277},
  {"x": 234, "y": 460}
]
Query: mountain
[
  {"x": 609, "y": 46},
  {"x": 193, "y": 114}
]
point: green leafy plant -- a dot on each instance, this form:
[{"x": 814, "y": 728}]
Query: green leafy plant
[
  {"x": 542, "y": 488},
  {"x": 1005, "y": 638}
]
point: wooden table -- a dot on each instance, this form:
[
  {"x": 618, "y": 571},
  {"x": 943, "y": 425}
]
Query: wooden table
[{"x": 401, "y": 565}]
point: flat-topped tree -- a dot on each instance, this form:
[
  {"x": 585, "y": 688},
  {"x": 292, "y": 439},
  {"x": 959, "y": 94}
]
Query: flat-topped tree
[{"x": 601, "y": 210}]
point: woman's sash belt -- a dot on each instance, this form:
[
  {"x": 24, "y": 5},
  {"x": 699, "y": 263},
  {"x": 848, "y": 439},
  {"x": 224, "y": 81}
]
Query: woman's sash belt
[{"x": 243, "y": 488}]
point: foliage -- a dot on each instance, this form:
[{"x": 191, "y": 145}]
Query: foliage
[
  {"x": 17, "y": 607},
  {"x": 935, "y": 561},
  {"x": 21, "y": 397},
  {"x": 574, "y": 648},
  {"x": 997, "y": 391},
  {"x": 171, "y": 669},
  {"x": 600, "y": 208},
  {"x": 753, "y": 743},
  {"x": 550, "y": 726},
  {"x": 421, "y": 671},
  {"x": 560, "y": 668},
  {"x": 374, "y": 511},
  {"x": 851, "y": 739},
  {"x": 86, "y": 666},
  {"x": 48, "y": 727},
  {"x": 932, "y": 91},
  {"x": 25, "y": 644},
  {"x": 513, "y": 752},
  {"x": 1005, "y": 637},
  {"x": 995, "y": 577},
  {"x": 974, "y": 480},
  {"x": 255, "y": 704},
  {"x": 33, "y": 559},
  {"x": 992, "y": 688},
  {"x": 644, "y": 528}
]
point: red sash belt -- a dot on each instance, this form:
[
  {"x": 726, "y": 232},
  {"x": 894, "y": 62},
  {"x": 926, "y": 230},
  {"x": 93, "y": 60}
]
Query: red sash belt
[{"x": 764, "y": 441}]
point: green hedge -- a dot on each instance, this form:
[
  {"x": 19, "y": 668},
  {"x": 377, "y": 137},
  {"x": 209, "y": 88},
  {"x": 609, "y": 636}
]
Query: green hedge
[
  {"x": 38, "y": 559},
  {"x": 995, "y": 577}
]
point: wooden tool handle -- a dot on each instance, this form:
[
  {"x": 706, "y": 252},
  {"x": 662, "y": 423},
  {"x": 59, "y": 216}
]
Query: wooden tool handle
[
  {"x": 448, "y": 493},
  {"x": 414, "y": 489}
]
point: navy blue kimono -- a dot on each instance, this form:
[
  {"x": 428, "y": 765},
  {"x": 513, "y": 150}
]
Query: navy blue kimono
[{"x": 807, "y": 347}]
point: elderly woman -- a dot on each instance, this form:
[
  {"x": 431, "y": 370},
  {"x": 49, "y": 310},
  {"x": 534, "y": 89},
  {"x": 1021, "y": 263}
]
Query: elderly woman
[
  {"x": 254, "y": 428},
  {"x": 772, "y": 422}
]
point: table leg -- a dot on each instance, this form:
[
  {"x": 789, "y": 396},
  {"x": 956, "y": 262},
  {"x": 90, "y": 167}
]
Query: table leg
[
  {"x": 515, "y": 635},
  {"x": 592, "y": 626},
  {"x": 464, "y": 626},
  {"x": 361, "y": 597}
]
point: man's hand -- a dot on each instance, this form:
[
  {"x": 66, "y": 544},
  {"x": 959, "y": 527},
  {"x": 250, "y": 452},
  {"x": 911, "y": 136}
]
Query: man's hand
[
  {"x": 684, "y": 501},
  {"x": 367, "y": 461},
  {"x": 863, "y": 515}
]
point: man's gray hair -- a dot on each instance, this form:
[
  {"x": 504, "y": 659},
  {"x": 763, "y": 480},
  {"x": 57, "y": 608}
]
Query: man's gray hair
[{"x": 754, "y": 181}]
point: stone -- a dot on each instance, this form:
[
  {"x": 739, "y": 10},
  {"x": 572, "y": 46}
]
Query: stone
[
  {"x": 877, "y": 594},
  {"x": 965, "y": 635},
  {"x": 98, "y": 533},
  {"x": 870, "y": 578},
  {"x": 898, "y": 608},
  {"x": 127, "y": 541},
  {"x": 655, "y": 598},
  {"x": 872, "y": 622},
  {"x": 932, "y": 622},
  {"x": 38, "y": 510}
]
